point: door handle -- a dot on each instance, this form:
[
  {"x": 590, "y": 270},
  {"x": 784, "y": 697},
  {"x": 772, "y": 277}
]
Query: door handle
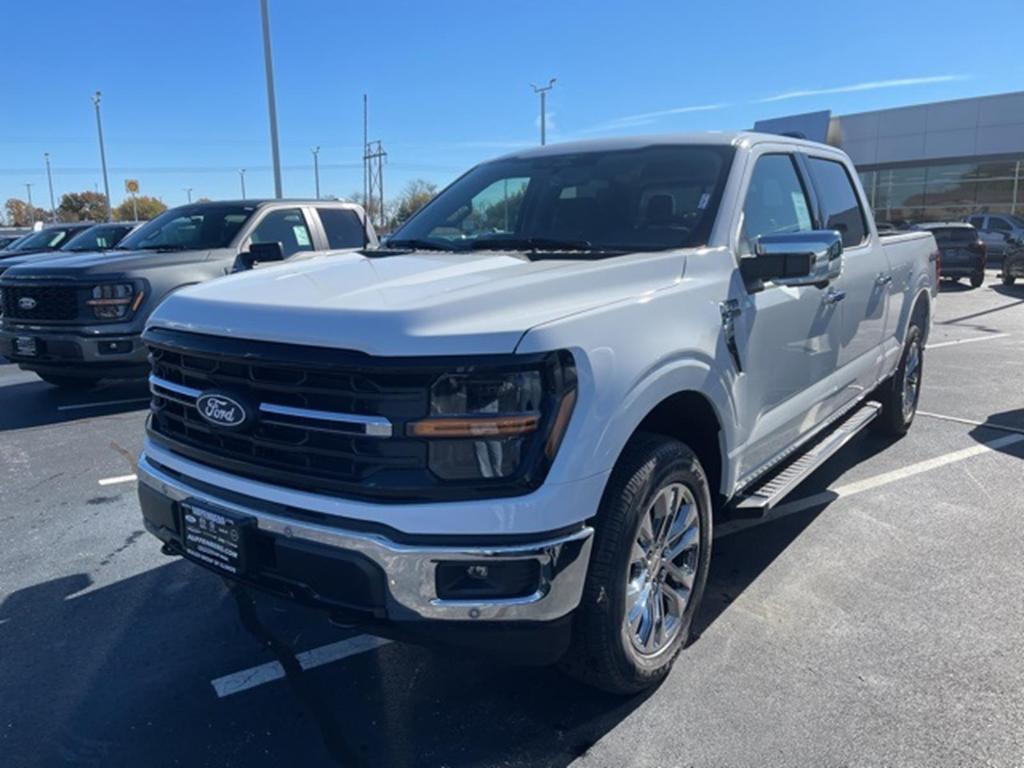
[
  {"x": 883, "y": 280},
  {"x": 834, "y": 297}
]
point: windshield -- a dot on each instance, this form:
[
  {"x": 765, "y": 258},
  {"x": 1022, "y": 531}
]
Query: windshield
[
  {"x": 97, "y": 238},
  {"x": 641, "y": 199},
  {"x": 53, "y": 237},
  {"x": 190, "y": 228}
]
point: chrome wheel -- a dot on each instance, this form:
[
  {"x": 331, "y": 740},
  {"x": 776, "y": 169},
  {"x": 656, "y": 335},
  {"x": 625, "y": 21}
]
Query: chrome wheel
[
  {"x": 662, "y": 570},
  {"x": 911, "y": 380}
]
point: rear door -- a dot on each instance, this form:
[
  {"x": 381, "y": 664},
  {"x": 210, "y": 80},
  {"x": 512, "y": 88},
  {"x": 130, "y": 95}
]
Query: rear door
[
  {"x": 342, "y": 227},
  {"x": 865, "y": 281},
  {"x": 994, "y": 234}
]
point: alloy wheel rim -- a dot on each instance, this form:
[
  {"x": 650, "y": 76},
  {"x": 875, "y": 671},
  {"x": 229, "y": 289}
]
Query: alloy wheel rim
[
  {"x": 662, "y": 570},
  {"x": 911, "y": 380}
]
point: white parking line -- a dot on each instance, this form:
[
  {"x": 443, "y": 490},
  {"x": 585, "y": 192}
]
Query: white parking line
[
  {"x": 118, "y": 479},
  {"x": 867, "y": 484},
  {"x": 101, "y": 404},
  {"x": 971, "y": 340},
  {"x": 317, "y": 657},
  {"x": 972, "y": 422}
]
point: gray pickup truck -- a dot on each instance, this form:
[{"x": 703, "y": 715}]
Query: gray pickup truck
[{"x": 79, "y": 319}]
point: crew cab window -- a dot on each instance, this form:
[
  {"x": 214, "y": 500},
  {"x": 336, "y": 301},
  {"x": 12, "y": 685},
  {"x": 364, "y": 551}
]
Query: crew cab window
[
  {"x": 776, "y": 201},
  {"x": 978, "y": 221},
  {"x": 1000, "y": 225},
  {"x": 343, "y": 228},
  {"x": 842, "y": 211},
  {"x": 287, "y": 227}
]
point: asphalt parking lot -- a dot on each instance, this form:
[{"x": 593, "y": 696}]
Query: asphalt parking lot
[{"x": 876, "y": 619}]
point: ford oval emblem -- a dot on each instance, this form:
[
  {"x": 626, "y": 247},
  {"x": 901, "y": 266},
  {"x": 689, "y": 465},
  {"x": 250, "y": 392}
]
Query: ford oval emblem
[
  {"x": 222, "y": 410},
  {"x": 27, "y": 302}
]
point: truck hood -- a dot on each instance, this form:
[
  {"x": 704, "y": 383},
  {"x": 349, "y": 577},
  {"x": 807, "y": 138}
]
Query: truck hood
[
  {"x": 81, "y": 265},
  {"x": 422, "y": 303}
]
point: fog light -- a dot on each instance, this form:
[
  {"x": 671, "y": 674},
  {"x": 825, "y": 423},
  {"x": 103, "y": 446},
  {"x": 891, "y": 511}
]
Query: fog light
[{"x": 490, "y": 580}]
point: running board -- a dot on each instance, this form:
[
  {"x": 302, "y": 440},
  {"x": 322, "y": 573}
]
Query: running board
[{"x": 757, "y": 499}]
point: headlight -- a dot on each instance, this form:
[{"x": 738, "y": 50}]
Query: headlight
[
  {"x": 112, "y": 301},
  {"x": 497, "y": 425}
]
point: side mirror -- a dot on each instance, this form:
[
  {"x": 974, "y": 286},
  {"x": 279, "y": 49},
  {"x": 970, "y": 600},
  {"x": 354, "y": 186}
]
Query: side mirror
[
  {"x": 259, "y": 253},
  {"x": 794, "y": 258}
]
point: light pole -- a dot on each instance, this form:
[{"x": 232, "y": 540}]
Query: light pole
[
  {"x": 103, "y": 152},
  {"x": 543, "y": 91},
  {"x": 316, "y": 169},
  {"x": 188, "y": 191},
  {"x": 271, "y": 101},
  {"x": 31, "y": 208},
  {"x": 241, "y": 176},
  {"x": 49, "y": 179}
]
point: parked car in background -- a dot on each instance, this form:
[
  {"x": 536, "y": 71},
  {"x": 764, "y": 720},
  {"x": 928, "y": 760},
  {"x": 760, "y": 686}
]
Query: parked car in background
[
  {"x": 11, "y": 235},
  {"x": 1013, "y": 266},
  {"x": 96, "y": 239},
  {"x": 999, "y": 231},
  {"x": 49, "y": 238},
  {"x": 962, "y": 250},
  {"x": 512, "y": 425},
  {"x": 78, "y": 318}
]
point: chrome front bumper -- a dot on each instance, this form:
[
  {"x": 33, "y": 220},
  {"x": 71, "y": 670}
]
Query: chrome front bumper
[{"x": 410, "y": 569}]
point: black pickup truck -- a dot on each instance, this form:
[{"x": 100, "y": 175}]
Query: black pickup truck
[{"x": 76, "y": 320}]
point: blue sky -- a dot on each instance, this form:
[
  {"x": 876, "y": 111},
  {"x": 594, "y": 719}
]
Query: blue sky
[{"x": 184, "y": 101}]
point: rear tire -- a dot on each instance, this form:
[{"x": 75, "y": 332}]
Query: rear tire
[
  {"x": 977, "y": 280},
  {"x": 900, "y": 393},
  {"x": 660, "y": 584},
  {"x": 1008, "y": 280},
  {"x": 72, "y": 383}
]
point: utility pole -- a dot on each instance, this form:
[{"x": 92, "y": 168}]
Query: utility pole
[
  {"x": 543, "y": 91},
  {"x": 268, "y": 63},
  {"x": 374, "y": 158},
  {"x": 366, "y": 167},
  {"x": 316, "y": 169},
  {"x": 31, "y": 208},
  {"x": 103, "y": 152},
  {"x": 241, "y": 176},
  {"x": 49, "y": 179},
  {"x": 188, "y": 191}
]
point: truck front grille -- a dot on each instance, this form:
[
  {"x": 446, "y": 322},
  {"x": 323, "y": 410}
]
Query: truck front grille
[
  {"x": 39, "y": 302},
  {"x": 327, "y": 426}
]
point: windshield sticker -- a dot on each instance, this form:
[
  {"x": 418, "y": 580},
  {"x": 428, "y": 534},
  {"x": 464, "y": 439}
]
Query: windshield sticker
[
  {"x": 301, "y": 235},
  {"x": 803, "y": 216},
  {"x": 704, "y": 200}
]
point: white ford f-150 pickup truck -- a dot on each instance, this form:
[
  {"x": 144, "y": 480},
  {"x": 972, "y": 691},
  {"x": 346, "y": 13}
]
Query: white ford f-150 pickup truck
[{"x": 514, "y": 424}]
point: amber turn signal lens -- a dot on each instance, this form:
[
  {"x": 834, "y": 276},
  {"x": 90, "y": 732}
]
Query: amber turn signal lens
[
  {"x": 561, "y": 422},
  {"x": 483, "y": 426}
]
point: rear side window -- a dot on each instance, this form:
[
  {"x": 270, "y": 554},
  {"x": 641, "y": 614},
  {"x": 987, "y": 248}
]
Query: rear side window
[
  {"x": 776, "y": 201},
  {"x": 343, "y": 228},
  {"x": 841, "y": 209},
  {"x": 978, "y": 221},
  {"x": 1000, "y": 225}
]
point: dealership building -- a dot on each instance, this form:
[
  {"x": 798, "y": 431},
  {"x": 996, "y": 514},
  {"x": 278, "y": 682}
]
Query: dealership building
[{"x": 930, "y": 162}]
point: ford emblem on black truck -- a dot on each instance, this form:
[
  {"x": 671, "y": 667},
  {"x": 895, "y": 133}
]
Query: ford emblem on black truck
[
  {"x": 27, "y": 302},
  {"x": 221, "y": 410}
]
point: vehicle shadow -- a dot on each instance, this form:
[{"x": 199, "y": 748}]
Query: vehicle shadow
[
  {"x": 1016, "y": 290},
  {"x": 955, "y": 286},
  {"x": 35, "y": 403},
  {"x": 1003, "y": 431}
]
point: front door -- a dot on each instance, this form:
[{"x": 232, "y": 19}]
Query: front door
[{"x": 787, "y": 337}]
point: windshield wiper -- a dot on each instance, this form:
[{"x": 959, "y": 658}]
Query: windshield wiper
[
  {"x": 415, "y": 244},
  {"x": 531, "y": 244}
]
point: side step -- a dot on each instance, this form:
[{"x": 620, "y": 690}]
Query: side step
[{"x": 757, "y": 499}]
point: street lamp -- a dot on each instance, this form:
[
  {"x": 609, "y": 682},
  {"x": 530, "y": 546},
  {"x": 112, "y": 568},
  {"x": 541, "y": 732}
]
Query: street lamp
[
  {"x": 188, "y": 191},
  {"x": 103, "y": 152},
  {"x": 241, "y": 176},
  {"x": 268, "y": 64},
  {"x": 49, "y": 179},
  {"x": 543, "y": 91},
  {"x": 316, "y": 169}
]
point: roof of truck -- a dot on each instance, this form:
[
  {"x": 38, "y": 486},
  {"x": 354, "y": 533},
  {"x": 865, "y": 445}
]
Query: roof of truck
[{"x": 725, "y": 138}]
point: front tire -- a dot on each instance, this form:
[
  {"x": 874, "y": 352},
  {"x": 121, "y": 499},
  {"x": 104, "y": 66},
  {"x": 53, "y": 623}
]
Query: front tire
[
  {"x": 1008, "y": 280},
  {"x": 977, "y": 280},
  {"x": 649, "y": 565},
  {"x": 900, "y": 393}
]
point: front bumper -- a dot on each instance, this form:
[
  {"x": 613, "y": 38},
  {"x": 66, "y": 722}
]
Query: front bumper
[
  {"x": 64, "y": 347},
  {"x": 366, "y": 572}
]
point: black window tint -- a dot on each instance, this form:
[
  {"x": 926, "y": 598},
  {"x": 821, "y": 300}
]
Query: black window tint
[
  {"x": 287, "y": 227},
  {"x": 842, "y": 210},
  {"x": 1001, "y": 225},
  {"x": 776, "y": 201},
  {"x": 955, "y": 235},
  {"x": 343, "y": 228},
  {"x": 977, "y": 221}
]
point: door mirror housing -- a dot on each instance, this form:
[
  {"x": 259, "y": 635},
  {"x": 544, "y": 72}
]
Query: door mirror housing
[
  {"x": 259, "y": 253},
  {"x": 794, "y": 258}
]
